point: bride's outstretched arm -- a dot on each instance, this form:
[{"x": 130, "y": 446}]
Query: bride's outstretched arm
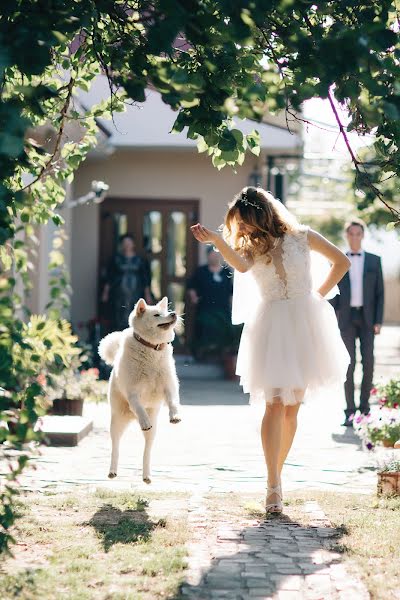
[
  {"x": 206, "y": 236},
  {"x": 340, "y": 262}
]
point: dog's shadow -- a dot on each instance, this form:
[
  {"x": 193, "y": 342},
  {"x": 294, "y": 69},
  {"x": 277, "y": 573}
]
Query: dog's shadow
[{"x": 115, "y": 526}]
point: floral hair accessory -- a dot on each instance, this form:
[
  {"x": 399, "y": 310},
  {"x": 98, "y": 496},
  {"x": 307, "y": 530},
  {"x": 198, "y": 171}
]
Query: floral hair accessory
[{"x": 246, "y": 197}]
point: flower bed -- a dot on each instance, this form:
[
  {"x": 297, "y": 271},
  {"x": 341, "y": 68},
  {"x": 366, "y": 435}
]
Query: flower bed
[{"x": 382, "y": 425}]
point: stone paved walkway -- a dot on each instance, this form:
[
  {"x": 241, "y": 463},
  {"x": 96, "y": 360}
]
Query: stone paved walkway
[{"x": 278, "y": 559}]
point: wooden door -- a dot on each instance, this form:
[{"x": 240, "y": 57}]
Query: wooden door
[{"x": 162, "y": 236}]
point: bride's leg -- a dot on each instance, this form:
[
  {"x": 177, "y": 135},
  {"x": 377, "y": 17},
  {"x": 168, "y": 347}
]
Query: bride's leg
[
  {"x": 289, "y": 427},
  {"x": 271, "y": 435}
]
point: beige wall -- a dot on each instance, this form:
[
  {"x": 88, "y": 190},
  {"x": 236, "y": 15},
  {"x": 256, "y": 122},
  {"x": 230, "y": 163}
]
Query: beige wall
[
  {"x": 392, "y": 300},
  {"x": 154, "y": 175}
]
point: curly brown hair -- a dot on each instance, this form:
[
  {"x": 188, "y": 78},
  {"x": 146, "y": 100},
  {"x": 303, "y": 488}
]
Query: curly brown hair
[{"x": 257, "y": 208}]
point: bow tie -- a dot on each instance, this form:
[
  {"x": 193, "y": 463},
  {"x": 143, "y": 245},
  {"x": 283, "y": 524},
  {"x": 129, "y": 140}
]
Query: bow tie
[{"x": 355, "y": 253}]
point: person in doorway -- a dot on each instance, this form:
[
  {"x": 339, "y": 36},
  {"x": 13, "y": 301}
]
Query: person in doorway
[
  {"x": 210, "y": 290},
  {"x": 127, "y": 280},
  {"x": 290, "y": 340},
  {"x": 359, "y": 309}
]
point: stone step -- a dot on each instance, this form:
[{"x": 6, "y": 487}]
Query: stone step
[{"x": 64, "y": 430}]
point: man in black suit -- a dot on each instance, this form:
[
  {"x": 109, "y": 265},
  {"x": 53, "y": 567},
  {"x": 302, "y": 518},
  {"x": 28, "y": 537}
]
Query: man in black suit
[{"x": 359, "y": 309}]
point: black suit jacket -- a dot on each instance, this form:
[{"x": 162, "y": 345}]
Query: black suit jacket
[{"x": 373, "y": 294}]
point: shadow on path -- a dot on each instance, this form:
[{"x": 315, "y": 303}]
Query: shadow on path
[
  {"x": 115, "y": 526},
  {"x": 347, "y": 437},
  {"x": 277, "y": 554}
]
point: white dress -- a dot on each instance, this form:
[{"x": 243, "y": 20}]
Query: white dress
[{"x": 290, "y": 341}]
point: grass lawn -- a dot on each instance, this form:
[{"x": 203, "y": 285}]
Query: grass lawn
[
  {"x": 370, "y": 538},
  {"x": 97, "y": 545}
]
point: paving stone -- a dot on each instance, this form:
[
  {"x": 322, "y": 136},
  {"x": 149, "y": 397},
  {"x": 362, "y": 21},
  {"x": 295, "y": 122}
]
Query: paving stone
[
  {"x": 288, "y": 595},
  {"x": 293, "y": 570},
  {"x": 224, "y": 594},
  {"x": 258, "y": 573},
  {"x": 291, "y": 583},
  {"x": 218, "y": 571},
  {"x": 256, "y": 582},
  {"x": 223, "y": 582}
]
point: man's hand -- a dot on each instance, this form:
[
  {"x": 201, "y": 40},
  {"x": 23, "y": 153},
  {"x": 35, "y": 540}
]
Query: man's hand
[
  {"x": 193, "y": 297},
  {"x": 204, "y": 235},
  {"x": 106, "y": 294},
  {"x": 377, "y": 329}
]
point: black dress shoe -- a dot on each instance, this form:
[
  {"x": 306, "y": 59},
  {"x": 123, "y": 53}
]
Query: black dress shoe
[
  {"x": 365, "y": 412},
  {"x": 347, "y": 422}
]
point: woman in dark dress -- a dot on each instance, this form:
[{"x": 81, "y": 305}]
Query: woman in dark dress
[{"x": 127, "y": 280}]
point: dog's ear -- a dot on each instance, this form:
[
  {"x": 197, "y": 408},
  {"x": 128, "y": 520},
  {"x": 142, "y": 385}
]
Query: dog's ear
[
  {"x": 140, "y": 307},
  {"x": 163, "y": 304}
]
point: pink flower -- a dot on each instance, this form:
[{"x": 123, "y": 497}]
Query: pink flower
[
  {"x": 374, "y": 391},
  {"x": 41, "y": 379}
]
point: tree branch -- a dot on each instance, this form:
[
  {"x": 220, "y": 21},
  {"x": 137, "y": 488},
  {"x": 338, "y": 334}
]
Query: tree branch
[
  {"x": 363, "y": 173},
  {"x": 357, "y": 163},
  {"x": 63, "y": 115}
]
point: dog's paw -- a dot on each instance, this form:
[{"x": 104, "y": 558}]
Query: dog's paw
[
  {"x": 175, "y": 419},
  {"x": 147, "y": 480},
  {"x": 111, "y": 475},
  {"x": 145, "y": 427}
]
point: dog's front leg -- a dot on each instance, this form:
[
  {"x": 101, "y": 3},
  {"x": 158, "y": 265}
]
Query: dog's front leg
[
  {"x": 149, "y": 436},
  {"x": 117, "y": 428},
  {"x": 140, "y": 411},
  {"x": 172, "y": 399}
]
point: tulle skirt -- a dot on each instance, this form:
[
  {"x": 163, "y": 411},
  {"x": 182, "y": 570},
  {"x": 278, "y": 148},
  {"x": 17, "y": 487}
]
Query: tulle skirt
[{"x": 289, "y": 347}]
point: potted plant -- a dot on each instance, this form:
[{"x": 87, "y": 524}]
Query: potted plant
[
  {"x": 379, "y": 427},
  {"x": 68, "y": 390},
  {"x": 389, "y": 478},
  {"x": 45, "y": 346}
]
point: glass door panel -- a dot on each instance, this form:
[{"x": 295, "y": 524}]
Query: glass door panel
[
  {"x": 120, "y": 228},
  {"x": 176, "y": 299},
  {"x": 176, "y": 244},
  {"x": 152, "y": 232},
  {"x": 155, "y": 272}
]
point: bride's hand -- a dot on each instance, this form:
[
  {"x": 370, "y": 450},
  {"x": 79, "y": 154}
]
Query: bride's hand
[{"x": 204, "y": 235}]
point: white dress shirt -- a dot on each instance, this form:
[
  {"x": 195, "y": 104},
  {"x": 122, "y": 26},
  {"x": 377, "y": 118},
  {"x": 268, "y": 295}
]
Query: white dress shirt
[{"x": 356, "y": 278}]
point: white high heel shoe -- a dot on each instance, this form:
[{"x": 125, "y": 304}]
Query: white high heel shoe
[{"x": 274, "y": 507}]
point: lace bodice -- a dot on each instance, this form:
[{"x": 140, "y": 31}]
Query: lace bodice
[{"x": 288, "y": 275}]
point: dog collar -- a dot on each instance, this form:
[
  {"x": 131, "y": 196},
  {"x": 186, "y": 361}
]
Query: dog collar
[{"x": 148, "y": 344}]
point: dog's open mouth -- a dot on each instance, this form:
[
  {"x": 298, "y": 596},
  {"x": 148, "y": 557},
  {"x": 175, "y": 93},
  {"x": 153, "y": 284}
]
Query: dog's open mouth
[{"x": 167, "y": 325}]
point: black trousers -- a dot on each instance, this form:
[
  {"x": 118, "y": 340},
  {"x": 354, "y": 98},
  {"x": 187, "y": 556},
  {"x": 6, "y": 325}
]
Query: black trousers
[{"x": 365, "y": 333}]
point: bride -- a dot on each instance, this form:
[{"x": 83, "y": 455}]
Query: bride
[{"x": 290, "y": 341}]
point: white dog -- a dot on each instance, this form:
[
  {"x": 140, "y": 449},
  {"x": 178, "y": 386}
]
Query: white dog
[{"x": 143, "y": 376}]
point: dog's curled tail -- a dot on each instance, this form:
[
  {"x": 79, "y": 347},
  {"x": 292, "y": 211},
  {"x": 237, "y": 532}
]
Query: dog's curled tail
[{"x": 109, "y": 345}]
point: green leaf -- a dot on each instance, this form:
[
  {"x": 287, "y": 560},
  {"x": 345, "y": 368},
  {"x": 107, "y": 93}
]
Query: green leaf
[
  {"x": 253, "y": 142},
  {"x": 392, "y": 225}
]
